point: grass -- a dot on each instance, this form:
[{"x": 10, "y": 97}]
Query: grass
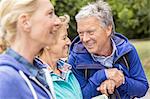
[{"x": 143, "y": 48}]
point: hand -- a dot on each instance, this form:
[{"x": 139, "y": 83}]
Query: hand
[
  {"x": 116, "y": 75},
  {"x": 107, "y": 87}
]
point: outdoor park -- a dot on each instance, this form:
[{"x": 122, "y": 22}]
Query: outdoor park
[
  {"x": 132, "y": 19},
  {"x": 143, "y": 48}
]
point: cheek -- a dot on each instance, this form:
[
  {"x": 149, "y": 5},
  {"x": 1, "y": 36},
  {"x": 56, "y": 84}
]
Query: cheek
[
  {"x": 65, "y": 49},
  {"x": 48, "y": 23}
]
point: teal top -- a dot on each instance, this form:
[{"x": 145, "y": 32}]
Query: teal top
[{"x": 66, "y": 85}]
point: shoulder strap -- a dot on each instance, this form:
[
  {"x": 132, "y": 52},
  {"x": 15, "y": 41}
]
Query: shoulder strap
[
  {"x": 86, "y": 73},
  {"x": 125, "y": 60}
]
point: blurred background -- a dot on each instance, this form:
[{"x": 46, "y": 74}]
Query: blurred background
[{"x": 132, "y": 19}]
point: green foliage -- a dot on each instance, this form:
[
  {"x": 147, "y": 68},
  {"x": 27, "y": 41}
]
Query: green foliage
[
  {"x": 70, "y": 7},
  {"x": 132, "y": 17}
]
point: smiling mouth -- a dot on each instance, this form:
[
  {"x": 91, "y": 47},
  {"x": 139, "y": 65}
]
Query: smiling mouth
[
  {"x": 52, "y": 32},
  {"x": 89, "y": 46}
]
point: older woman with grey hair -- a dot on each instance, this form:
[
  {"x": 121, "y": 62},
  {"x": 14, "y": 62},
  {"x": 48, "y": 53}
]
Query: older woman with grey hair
[
  {"x": 27, "y": 26},
  {"x": 103, "y": 60}
]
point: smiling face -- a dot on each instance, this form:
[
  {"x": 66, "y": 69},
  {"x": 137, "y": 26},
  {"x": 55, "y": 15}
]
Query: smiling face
[
  {"x": 60, "y": 49},
  {"x": 94, "y": 37},
  {"x": 44, "y": 23}
]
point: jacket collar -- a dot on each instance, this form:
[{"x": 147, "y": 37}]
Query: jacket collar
[
  {"x": 16, "y": 61},
  {"x": 121, "y": 42}
]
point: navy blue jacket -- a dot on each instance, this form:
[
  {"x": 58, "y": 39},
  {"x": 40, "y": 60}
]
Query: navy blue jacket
[
  {"x": 13, "y": 85},
  {"x": 136, "y": 84}
]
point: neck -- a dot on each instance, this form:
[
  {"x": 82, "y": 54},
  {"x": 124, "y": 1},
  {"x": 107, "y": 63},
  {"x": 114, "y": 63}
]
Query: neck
[
  {"x": 52, "y": 62},
  {"x": 107, "y": 49},
  {"x": 49, "y": 58},
  {"x": 26, "y": 49}
]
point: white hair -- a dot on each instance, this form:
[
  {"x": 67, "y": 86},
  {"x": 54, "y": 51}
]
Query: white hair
[{"x": 101, "y": 10}]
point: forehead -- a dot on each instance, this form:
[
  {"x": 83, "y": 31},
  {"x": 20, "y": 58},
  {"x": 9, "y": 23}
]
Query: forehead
[
  {"x": 87, "y": 22},
  {"x": 45, "y": 5},
  {"x": 62, "y": 30}
]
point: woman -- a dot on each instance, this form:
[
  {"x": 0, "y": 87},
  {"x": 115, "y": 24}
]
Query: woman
[
  {"x": 64, "y": 82},
  {"x": 28, "y": 26}
]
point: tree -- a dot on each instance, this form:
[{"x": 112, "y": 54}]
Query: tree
[
  {"x": 132, "y": 17},
  {"x": 70, "y": 7}
]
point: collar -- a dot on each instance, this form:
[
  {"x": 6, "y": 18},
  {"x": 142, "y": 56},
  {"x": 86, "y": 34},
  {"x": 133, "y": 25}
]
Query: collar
[
  {"x": 106, "y": 61},
  {"x": 113, "y": 52},
  {"x": 61, "y": 66},
  {"x": 32, "y": 69}
]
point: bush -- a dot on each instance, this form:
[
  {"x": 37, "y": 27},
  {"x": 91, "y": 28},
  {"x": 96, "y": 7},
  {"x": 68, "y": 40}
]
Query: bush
[{"x": 132, "y": 17}]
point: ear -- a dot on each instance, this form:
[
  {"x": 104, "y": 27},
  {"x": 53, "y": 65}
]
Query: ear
[
  {"x": 109, "y": 30},
  {"x": 24, "y": 22}
]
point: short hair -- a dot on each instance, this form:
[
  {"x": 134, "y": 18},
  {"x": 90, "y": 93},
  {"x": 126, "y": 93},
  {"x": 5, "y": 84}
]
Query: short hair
[
  {"x": 65, "y": 20},
  {"x": 101, "y": 10},
  {"x": 9, "y": 13}
]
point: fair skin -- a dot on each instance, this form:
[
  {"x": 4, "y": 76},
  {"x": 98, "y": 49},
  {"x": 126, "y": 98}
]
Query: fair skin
[
  {"x": 36, "y": 31},
  {"x": 96, "y": 39},
  {"x": 58, "y": 50},
  {"x": 115, "y": 79}
]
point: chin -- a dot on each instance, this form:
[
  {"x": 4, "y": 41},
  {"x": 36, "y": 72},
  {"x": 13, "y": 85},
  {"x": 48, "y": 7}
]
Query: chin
[
  {"x": 65, "y": 56},
  {"x": 91, "y": 51}
]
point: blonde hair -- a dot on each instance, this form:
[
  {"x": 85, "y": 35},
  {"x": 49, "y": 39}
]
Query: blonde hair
[
  {"x": 65, "y": 24},
  {"x": 9, "y": 13},
  {"x": 65, "y": 20},
  {"x": 3, "y": 45}
]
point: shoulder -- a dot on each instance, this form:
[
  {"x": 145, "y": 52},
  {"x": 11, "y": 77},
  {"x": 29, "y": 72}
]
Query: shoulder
[
  {"x": 10, "y": 78},
  {"x": 122, "y": 43},
  {"x": 8, "y": 75},
  {"x": 11, "y": 83}
]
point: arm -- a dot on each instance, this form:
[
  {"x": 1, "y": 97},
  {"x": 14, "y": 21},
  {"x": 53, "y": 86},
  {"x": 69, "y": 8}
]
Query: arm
[
  {"x": 89, "y": 86},
  {"x": 136, "y": 84}
]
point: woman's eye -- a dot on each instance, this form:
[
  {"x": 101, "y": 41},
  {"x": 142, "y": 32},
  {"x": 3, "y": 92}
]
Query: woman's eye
[
  {"x": 64, "y": 38},
  {"x": 80, "y": 33},
  {"x": 51, "y": 13}
]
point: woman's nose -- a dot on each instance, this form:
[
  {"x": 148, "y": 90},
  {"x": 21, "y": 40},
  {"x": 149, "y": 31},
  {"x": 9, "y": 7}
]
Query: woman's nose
[
  {"x": 57, "y": 21},
  {"x": 68, "y": 41}
]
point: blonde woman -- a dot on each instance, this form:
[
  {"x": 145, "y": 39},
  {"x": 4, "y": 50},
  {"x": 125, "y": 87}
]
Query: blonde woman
[
  {"x": 28, "y": 26},
  {"x": 64, "y": 82}
]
